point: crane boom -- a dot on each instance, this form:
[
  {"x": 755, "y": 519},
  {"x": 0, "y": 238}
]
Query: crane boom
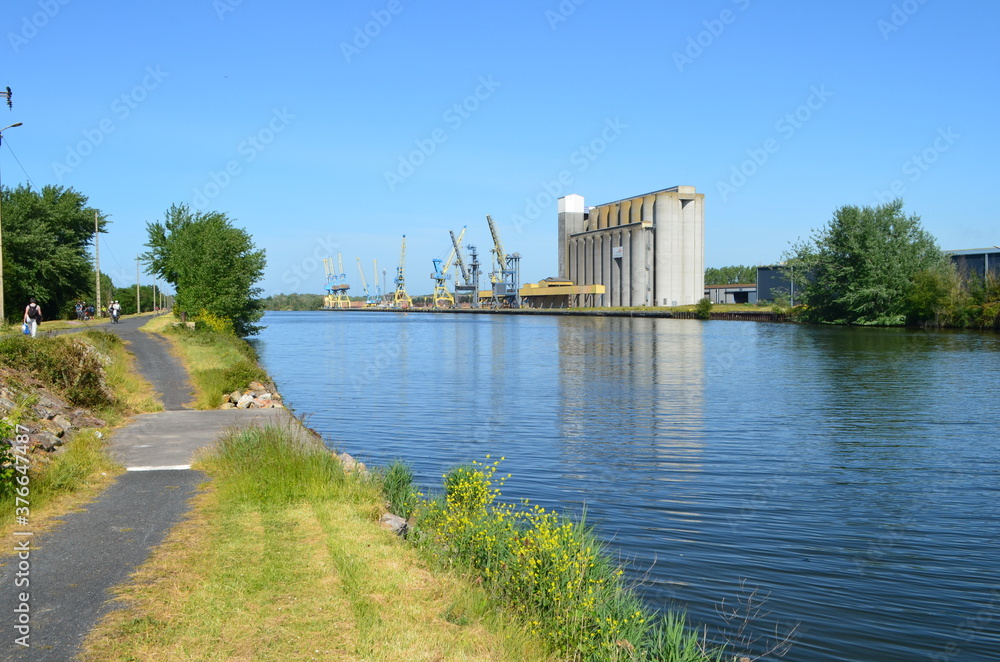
[
  {"x": 458, "y": 255},
  {"x": 501, "y": 254},
  {"x": 364, "y": 282}
]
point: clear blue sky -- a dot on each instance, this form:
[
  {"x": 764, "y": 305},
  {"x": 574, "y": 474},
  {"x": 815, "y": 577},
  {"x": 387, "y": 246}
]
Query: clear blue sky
[{"x": 140, "y": 105}]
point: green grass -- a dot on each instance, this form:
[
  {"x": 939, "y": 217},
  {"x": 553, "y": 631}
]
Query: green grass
[{"x": 219, "y": 363}]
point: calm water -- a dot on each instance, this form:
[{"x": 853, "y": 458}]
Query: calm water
[{"x": 852, "y": 475}]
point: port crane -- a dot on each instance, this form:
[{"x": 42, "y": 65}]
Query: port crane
[
  {"x": 337, "y": 285},
  {"x": 470, "y": 277},
  {"x": 331, "y": 280},
  {"x": 377, "y": 298},
  {"x": 400, "y": 298},
  {"x": 506, "y": 278},
  {"x": 442, "y": 297},
  {"x": 370, "y": 299}
]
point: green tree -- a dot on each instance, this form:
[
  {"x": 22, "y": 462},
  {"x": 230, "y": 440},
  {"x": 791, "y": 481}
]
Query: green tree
[
  {"x": 46, "y": 236},
  {"x": 212, "y": 265},
  {"x": 862, "y": 266},
  {"x": 732, "y": 275}
]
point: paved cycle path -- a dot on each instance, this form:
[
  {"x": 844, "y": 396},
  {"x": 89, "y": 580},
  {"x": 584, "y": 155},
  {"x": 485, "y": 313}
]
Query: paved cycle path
[{"x": 70, "y": 569}]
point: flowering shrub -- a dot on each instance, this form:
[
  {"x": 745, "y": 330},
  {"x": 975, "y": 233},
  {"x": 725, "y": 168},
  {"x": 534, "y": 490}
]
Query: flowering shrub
[{"x": 551, "y": 570}]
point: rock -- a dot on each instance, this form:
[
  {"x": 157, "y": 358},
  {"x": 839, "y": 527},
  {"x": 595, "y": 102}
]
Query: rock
[
  {"x": 394, "y": 523},
  {"x": 351, "y": 465},
  {"x": 6, "y": 404},
  {"x": 262, "y": 403},
  {"x": 264, "y": 396},
  {"x": 227, "y": 405},
  {"x": 244, "y": 401},
  {"x": 62, "y": 422},
  {"x": 48, "y": 441},
  {"x": 256, "y": 386},
  {"x": 235, "y": 396}
]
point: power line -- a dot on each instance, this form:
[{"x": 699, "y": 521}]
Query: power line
[{"x": 7, "y": 142}]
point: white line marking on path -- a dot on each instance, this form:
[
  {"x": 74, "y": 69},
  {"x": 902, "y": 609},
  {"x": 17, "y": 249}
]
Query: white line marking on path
[{"x": 175, "y": 467}]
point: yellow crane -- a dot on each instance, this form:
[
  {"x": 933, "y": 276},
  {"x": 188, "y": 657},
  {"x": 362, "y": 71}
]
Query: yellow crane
[
  {"x": 339, "y": 286},
  {"x": 442, "y": 297},
  {"x": 330, "y": 298},
  {"x": 401, "y": 299}
]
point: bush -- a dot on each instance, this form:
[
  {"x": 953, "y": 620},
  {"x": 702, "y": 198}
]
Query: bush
[
  {"x": 703, "y": 309},
  {"x": 553, "y": 572},
  {"x": 71, "y": 365}
]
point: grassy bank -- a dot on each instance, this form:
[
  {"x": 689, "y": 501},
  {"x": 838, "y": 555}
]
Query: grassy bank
[
  {"x": 91, "y": 370},
  {"x": 281, "y": 560},
  {"x": 218, "y": 362}
]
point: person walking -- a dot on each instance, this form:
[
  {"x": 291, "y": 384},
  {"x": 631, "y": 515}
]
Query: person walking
[{"x": 33, "y": 316}]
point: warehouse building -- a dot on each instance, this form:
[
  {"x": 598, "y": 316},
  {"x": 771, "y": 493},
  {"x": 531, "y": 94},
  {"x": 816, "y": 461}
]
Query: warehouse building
[{"x": 648, "y": 250}]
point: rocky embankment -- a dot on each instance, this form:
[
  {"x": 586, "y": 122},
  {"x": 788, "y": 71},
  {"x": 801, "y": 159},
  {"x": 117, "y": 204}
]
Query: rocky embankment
[
  {"x": 254, "y": 396},
  {"x": 50, "y": 419}
]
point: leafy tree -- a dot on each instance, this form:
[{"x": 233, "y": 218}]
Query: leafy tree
[
  {"x": 45, "y": 239},
  {"x": 212, "y": 265},
  {"x": 863, "y": 264},
  {"x": 732, "y": 275}
]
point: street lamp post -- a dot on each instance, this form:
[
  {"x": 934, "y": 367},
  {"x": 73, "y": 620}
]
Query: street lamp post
[{"x": 3, "y": 318}]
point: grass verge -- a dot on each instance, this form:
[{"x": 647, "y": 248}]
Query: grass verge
[
  {"x": 218, "y": 362},
  {"x": 280, "y": 560}
]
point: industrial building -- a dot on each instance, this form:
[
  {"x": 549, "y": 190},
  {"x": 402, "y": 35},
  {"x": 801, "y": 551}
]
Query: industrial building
[
  {"x": 977, "y": 261},
  {"x": 648, "y": 250}
]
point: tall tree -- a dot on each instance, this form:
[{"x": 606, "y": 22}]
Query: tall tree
[
  {"x": 861, "y": 267},
  {"x": 46, "y": 236},
  {"x": 212, "y": 265}
]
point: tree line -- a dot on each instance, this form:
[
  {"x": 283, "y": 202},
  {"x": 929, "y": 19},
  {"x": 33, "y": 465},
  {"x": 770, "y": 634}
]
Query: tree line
[
  {"x": 878, "y": 266},
  {"x": 48, "y": 235}
]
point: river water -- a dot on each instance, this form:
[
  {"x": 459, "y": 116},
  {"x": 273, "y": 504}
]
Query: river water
[{"x": 850, "y": 476}]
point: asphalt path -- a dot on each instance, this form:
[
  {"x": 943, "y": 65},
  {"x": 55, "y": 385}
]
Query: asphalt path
[{"x": 68, "y": 571}]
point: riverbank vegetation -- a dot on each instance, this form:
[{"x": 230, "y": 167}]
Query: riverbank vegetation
[{"x": 877, "y": 266}]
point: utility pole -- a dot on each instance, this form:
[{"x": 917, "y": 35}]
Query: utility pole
[
  {"x": 137, "y": 308},
  {"x": 97, "y": 264}
]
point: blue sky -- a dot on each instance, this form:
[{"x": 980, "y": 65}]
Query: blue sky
[{"x": 323, "y": 127}]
